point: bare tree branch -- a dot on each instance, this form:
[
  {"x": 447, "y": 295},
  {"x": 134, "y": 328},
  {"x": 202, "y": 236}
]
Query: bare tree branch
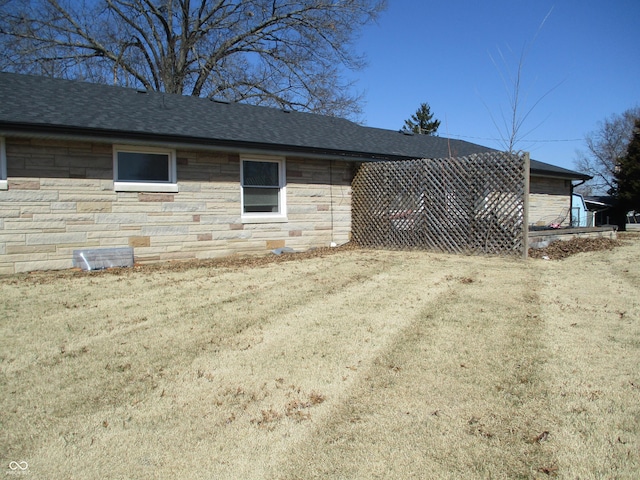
[
  {"x": 288, "y": 53},
  {"x": 605, "y": 146},
  {"x": 511, "y": 125}
]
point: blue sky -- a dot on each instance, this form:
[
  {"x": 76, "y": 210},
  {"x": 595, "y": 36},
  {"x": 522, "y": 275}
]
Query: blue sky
[{"x": 583, "y": 65}]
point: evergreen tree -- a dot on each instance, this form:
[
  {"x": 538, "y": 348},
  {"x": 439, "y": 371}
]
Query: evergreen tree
[
  {"x": 421, "y": 122},
  {"x": 627, "y": 175}
]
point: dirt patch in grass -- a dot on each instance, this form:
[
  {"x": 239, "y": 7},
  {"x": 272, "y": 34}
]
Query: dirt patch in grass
[
  {"x": 347, "y": 363},
  {"x": 229, "y": 262},
  {"x": 563, "y": 249},
  {"x": 555, "y": 251}
]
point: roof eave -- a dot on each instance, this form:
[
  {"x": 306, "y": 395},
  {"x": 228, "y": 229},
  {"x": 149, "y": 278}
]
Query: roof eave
[
  {"x": 559, "y": 175},
  {"x": 177, "y": 141}
]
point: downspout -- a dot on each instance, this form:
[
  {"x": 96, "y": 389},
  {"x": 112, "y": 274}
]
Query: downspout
[{"x": 333, "y": 243}]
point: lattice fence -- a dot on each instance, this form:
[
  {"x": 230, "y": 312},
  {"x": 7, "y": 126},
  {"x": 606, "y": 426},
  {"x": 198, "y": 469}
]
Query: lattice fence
[{"x": 474, "y": 204}]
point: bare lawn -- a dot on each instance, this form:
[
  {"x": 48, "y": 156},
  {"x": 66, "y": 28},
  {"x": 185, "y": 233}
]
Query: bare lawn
[{"x": 357, "y": 365}]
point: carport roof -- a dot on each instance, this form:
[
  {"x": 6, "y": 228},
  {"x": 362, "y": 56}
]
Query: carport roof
[{"x": 47, "y": 106}]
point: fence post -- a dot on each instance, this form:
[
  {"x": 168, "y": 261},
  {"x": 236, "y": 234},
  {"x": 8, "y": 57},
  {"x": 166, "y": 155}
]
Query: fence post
[{"x": 525, "y": 205}]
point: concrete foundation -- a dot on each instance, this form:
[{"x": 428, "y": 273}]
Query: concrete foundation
[{"x": 542, "y": 238}]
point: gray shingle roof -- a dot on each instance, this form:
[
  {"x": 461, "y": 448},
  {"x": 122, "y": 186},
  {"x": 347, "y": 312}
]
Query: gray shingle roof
[
  {"x": 41, "y": 104},
  {"x": 540, "y": 168}
]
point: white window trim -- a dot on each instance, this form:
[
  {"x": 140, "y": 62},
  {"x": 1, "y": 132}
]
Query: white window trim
[
  {"x": 269, "y": 217},
  {"x": 4, "y": 185},
  {"x": 170, "y": 186}
]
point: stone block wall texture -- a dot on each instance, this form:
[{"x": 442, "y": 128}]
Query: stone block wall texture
[
  {"x": 61, "y": 198},
  {"x": 548, "y": 198}
]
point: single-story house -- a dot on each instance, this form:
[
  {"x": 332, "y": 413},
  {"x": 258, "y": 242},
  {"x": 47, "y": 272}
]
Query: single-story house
[
  {"x": 551, "y": 200},
  {"x": 89, "y": 166}
]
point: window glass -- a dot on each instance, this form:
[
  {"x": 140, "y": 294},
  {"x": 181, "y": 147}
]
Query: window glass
[
  {"x": 143, "y": 167},
  {"x": 262, "y": 187},
  {"x": 261, "y": 200},
  {"x": 260, "y": 173}
]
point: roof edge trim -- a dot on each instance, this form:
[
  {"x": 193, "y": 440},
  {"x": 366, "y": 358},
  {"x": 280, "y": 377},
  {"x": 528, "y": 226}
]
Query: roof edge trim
[{"x": 102, "y": 136}]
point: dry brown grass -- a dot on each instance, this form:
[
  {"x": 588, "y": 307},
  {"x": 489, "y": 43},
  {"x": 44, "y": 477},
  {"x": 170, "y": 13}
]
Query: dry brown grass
[{"x": 361, "y": 364}]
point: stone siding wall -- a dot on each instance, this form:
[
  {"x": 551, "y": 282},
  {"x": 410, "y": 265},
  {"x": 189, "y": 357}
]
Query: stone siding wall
[
  {"x": 61, "y": 198},
  {"x": 548, "y": 198}
]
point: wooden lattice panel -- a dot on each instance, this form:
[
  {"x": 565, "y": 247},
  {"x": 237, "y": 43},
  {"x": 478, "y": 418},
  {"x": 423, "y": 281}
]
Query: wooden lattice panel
[{"x": 474, "y": 204}]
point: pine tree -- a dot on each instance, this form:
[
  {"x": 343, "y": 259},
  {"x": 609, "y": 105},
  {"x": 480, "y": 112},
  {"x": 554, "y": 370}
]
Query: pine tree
[
  {"x": 421, "y": 122},
  {"x": 627, "y": 175}
]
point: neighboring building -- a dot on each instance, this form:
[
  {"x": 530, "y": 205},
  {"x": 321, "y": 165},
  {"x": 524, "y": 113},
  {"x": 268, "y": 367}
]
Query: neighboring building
[
  {"x": 580, "y": 214},
  {"x": 551, "y": 190},
  {"x": 174, "y": 177},
  {"x": 600, "y": 208}
]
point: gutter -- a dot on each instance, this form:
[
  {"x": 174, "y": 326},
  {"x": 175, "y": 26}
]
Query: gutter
[
  {"x": 24, "y": 130},
  {"x": 564, "y": 176},
  {"x": 192, "y": 143}
]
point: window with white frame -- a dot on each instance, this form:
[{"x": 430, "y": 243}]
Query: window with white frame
[
  {"x": 3, "y": 165},
  {"x": 144, "y": 169},
  {"x": 263, "y": 189}
]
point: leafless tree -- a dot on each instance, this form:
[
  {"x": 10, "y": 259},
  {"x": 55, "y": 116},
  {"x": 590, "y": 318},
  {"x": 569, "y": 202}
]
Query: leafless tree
[
  {"x": 605, "y": 147},
  {"x": 287, "y": 53},
  {"x": 512, "y": 124}
]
